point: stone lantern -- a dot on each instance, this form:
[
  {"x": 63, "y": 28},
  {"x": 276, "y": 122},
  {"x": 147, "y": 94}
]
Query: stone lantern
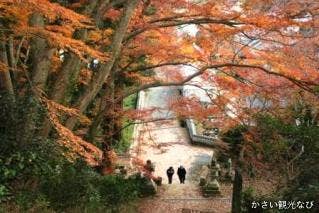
[{"x": 211, "y": 186}]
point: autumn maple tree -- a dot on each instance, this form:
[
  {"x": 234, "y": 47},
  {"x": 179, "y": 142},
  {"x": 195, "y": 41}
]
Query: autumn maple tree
[
  {"x": 79, "y": 59},
  {"x": 67, "y": 65}
]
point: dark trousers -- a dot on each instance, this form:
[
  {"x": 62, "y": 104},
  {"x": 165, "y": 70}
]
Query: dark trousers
[
  {"x": 170, "y": 178},
  {"x": 181, "y": 178}
]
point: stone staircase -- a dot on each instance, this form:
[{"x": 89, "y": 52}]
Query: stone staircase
[{"x": 185, "y": 198}]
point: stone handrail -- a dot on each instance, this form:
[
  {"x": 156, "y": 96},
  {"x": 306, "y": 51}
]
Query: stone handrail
[{"x": 195, "y": 137}]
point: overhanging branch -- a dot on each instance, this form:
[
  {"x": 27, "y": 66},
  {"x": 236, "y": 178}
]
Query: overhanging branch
[
  {"x": 302, "y": 84},
  {"x": 178, "y": 22}
]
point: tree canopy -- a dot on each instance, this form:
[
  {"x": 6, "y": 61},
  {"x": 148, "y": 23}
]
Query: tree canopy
[{"x": 66, "y": 66}]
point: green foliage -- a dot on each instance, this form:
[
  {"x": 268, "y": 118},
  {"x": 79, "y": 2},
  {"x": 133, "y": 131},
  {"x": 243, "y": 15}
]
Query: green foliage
[
  {"x": 150, "y": 10},
  {"x": 130, "y": 101},
  {"x": 4, "y": 192},
  {"x": 20, "y": 159},
  {"x": 52, "y": 182},
  {"x": 22, "y": 167},
  {"x": 127, "y": 133},
  {"x": 284, "y": 140},
  {"x": 36, "y": 177},
  {"x": 235, "y": 138},
  {"x": 116, "y": 190},
  {"x": 79, "y": 185},
  {"x": 234, "y": 135},
  {"x": 249, "y": 196},
  {"x": 126, "y": 138}
]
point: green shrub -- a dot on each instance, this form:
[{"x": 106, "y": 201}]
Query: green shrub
[
  {"x": 36, "y": 177},
  {"x": 80, "y": 185},
  {"x": 282, "y": 141},
  {"x": 235, "y": 138}
]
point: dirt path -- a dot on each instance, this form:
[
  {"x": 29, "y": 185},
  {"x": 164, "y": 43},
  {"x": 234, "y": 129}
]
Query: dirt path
[{"x": 167, "y": 144}]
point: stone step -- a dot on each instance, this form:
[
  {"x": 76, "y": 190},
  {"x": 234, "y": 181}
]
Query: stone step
[{"x": 184, "y": 210}]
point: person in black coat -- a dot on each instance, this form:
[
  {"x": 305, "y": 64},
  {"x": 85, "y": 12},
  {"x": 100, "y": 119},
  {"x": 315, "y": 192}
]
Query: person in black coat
[
  {"x": 181, "y": 172},
  {"x": 170, "y": 172}
]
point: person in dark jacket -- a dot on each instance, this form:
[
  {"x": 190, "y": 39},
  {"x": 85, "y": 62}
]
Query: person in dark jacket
[
  {"x": 181, "y": 172},
  {"x": 170, "y": 172}
]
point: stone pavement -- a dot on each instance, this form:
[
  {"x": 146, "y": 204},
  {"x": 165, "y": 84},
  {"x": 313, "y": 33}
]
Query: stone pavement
[
  {"x": 186, "y": 198},
  {"x": 166, "y": 144}
]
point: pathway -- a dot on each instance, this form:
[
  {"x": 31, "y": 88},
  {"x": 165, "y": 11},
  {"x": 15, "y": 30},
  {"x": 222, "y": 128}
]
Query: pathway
[{"x": 166, "y": 143}]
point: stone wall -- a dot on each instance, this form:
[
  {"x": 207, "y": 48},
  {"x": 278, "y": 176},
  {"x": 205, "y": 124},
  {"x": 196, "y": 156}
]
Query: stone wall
[{"x": 195, "y": 137}]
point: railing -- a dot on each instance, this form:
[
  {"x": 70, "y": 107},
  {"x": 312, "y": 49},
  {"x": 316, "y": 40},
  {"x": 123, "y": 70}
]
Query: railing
[{"x": 195, "y": 137}]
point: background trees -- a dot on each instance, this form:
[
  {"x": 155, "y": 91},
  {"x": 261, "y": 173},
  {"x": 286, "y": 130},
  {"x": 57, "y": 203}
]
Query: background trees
[
  {"x": 66, "y": 66},
  {"x": 241, "y": 49}
]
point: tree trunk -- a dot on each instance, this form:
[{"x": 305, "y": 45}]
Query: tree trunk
[
  {"x": 238, "y": 182},
  {"x": 41, "y": 54},
  {"x": 40, "y": 57},
  {"x": 104, "y": 6},
  {"x": 237, "y": 188},
  {"x": 105, "y": 69},
  {"x": 107, "y": 105},
  {"x": 11, "y": 58},
  {"x": 117, "y": 134},
  {"x": 5, "y": 78},
  {"x": 98, "y": 119},
  {"x": 107, "y": 109},
  {"x": 71, "y": 67},
  {"x": 90, "y": 7},
  {"x": 68, "y": 74}
]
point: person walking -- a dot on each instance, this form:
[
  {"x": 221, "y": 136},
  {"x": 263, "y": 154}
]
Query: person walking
[
  {"x": 181, "y": 172},
  {"x": 170, "y": 172}
]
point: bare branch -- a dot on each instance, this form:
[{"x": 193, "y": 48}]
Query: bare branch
[
  {"x": 19, "y": 50},
  {"x": 143, "y": 122},
  {"x": 302, "y": 84},
  {"x": 142, "y": 68},
  {"x": 173, "y": 23}
]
